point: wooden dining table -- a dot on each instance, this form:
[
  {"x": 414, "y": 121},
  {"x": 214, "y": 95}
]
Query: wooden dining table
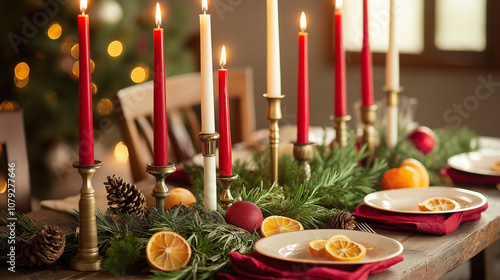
[{"x": 425, "y": 256}]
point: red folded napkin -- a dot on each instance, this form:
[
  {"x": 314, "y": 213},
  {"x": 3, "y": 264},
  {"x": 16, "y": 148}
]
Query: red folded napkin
[
  {"x": 465, "y": 178},
  {"x": 257, "y": 266},
  {"x": 437, "y": 224}
]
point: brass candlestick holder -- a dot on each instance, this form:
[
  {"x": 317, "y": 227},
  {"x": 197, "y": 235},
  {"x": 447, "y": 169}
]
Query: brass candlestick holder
[
  {"x": 273, "y": 114},
  {"x": 368, "y": 117},
  {"x": 392, "y": 116},
  {"x": 226, "y": 198},
  {"x": 87, "y": 258},
  {"x": 341, "y": 130},
  {"x": 160, "y": 190},
  {"x": 303, "y": 153}
]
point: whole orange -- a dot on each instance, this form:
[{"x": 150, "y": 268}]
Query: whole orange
[
  {"x": 420, "y": 169},
  {"x": 402, "y": 177},
  {"x": 179, "y": 195}
]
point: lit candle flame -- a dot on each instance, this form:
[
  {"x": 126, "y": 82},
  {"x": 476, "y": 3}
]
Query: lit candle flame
[
  {"x": 204, "y": 6},
  {"x": 158, "y": 15},
  {"x": 83, "y": 6},
  {"x": 223, "y": 57},
  {"x": 338, "y": 4},
  {"x": 303, "y": 22}
]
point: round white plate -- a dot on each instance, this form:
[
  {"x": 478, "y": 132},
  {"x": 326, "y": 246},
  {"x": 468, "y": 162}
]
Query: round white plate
[
  {"x": 479, "y": 162},
  {"x": 486, "y": 142},
  {"x": 406, "y": 200},
  {"x": 294, "y": 246}
]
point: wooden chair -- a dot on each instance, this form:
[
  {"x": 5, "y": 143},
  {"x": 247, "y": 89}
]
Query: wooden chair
[
  {"x": 135, "y": 108},
  {"x": 13, "y": 146}
]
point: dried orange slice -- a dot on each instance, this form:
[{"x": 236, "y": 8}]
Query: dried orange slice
[
  {"x": 438, "y": 203},
  {"x": 420, "y": 169},
  {"x": 339, "y": 236},
  {"x": 167, "y": 251},
  {"x": 278, "y": 224},
  {"x": 317, "y": 247},
  {"x": 344, "y": 250}
]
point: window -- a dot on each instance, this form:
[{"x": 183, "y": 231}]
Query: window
[{"x": 431, "y": 32}]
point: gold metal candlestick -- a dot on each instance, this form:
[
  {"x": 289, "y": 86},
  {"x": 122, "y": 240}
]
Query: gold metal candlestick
[
  {"x": 368, "y": 117},
  {"x": 303, "y": 153},
  {"x": 341, "y": 130},
  {"x": 226, "y": 198},
  {"x": 160, "y": 190},
  {"x": 208, "y": 143},
  {"x": 87, "y": 258},
  {"x": 273, "y": 114}
]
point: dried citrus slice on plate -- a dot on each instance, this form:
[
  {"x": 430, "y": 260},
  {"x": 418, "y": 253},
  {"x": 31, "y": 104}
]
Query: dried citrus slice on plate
[
  {"x": 339, "y": 236},
  {"x": 278, "y": 224},
  {"x": 317, "y": 247},
  {"x": 438, "y": 203},
  {"x": 340, "y": 249},
  {"x": 167, "y": 251}
]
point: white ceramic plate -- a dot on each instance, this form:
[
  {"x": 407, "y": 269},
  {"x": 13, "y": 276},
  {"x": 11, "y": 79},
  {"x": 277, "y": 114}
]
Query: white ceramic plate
[
  {"x": 486, "y": 142},
  {"x": 479, "y": 162},
  {"x": 294, "y": 246},
  {"x": 406, "y": 200}
]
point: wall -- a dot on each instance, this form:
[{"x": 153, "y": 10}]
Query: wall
[{"x": 446, "y": 96}]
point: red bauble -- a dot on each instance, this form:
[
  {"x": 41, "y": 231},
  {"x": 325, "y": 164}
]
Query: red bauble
[
  {"x": 423, "y": 138},
  {"x": 244, "y": 214}
]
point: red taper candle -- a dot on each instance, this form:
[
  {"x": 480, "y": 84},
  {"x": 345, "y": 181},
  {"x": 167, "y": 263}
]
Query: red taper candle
[
  {"x": 340, "y": 76},
  {"x": 225, "y": 156},
  {"x": 160, "y": 149},
  {"x": 86, "y": 126},
  {"x": 366, "y": 62},
  {"x": 303, "y": 85}
]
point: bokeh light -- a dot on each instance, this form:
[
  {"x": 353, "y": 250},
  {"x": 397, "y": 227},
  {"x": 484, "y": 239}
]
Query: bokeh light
[
  {"x": 104, "y": 107},
  {"x": 9, "y": 105},
  {"x": 139, "y": 74},
  {"x": 22, "y": 70},
  {"x": 115, "y": 49},
  {"x": 94, "y": 89},
  {"x": 75, "y": 51},
  {"x": 21, "y": 83},
  {"x": 3, "y": 185},
  {"x": 54, "y": 31},
  {"x": 121, "y": 152},
  {"x": 76, "y": 69}
]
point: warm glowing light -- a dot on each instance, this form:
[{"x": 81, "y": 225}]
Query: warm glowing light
[
  {"x": 83, "y": 6},
  {"x": 92, "y": 66},
  {"x": 54, "y": 31},
  {"x": 94, "y": 89},
  {"x": 223, "y": 57},
  {"x": 7, "y": 105},
  {"x": 303, "y": 22},
  {"x": 22, "y": 70},
  {"x": 338, "y": 4},
  {"x": 204, "y": 6},
  {"x": 104, "y": 107},
  {"x": 139, "y": 74},
  {"x": 115, "y": 48},
  {"x": 158, "y": 15},
  {"x": 21, "y": 83},
  {"x": 3, "y": 185},
  {"x": 76, "y": 69},
  {"x": 121, "y": 152},
  {"x": 75, "y": 51}
]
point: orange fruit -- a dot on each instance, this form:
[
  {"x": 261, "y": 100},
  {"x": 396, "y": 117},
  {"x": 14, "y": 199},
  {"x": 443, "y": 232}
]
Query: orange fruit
[
  {"x": 317, "y": 247},
  {"x": 340, "y": 249},
  {"x": 420, "y": 169},
  {"x": 167, "y": 251},
  {"x": 278, "y": 224},
  {"x": 339, "y": 236},
  {"x": 179, "y": 195},
  {"x": 402, "y": 177},
  {"x": 438, "y": 203}
]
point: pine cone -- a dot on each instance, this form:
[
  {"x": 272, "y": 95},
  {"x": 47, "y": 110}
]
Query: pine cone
[
  {"x": 25, "y": 256},
  {"x": 45, "y": 248},
  {"x": 342, "y": 220},
  {"x": 124, "y": 197}
]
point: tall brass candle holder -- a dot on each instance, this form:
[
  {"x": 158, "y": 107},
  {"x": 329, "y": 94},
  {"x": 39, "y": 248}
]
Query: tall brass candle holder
[
  {"x": 392, "y": 116},
  {"x": 368, "y": 117},
  {"x": 303, "y": 153},
  {"x": 226, "y": 198},
  {"x": 160, "y": 191},
  {"x": 87, "y": 258},
  {"x": 273, "y": 114},
  {"x": 341, "y": 130}
]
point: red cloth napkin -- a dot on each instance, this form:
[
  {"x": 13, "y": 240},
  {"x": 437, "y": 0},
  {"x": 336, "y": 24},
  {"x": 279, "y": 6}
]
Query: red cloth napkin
[
  {"x": 437, "y": 224},
  {"x": 257, "y": 266},
  {"x": 465, "y": 178}
]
